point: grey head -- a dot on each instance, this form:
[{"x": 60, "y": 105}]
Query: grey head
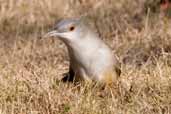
[
  {"x": 69, "y": 30},
  {"x": 67, "y": 25}
]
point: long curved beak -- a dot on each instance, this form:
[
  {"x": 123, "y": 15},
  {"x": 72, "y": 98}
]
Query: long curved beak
[{"x": 51, "y": 33}]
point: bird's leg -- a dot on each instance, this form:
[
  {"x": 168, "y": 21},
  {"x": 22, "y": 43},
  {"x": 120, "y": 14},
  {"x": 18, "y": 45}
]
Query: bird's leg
[{"x": 69, "y": 76}]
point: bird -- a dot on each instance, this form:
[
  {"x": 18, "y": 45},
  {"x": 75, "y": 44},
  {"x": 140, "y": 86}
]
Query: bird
[{"x": 91, "y": 59}]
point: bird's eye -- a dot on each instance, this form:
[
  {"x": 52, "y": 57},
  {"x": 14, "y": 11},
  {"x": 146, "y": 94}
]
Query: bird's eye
[{"x": 71, "y": 28}]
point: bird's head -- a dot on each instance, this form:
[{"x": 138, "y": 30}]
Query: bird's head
[{"x": 68, "y": 30}]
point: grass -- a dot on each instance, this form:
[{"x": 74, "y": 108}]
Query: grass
[{"x": 31, "y": 67}]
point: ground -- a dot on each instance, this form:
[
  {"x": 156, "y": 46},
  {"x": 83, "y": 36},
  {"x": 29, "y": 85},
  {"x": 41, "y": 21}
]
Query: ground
[{"x": 31, "y": 66}]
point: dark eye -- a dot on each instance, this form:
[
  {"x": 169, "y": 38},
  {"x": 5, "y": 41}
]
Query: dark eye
[{"x": 71, "y": 28}]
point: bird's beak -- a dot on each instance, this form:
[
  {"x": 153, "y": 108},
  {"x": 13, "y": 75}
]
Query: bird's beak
[{"x": 51, "y": 33}]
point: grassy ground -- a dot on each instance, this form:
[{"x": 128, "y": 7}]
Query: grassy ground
[{"x": 31, "y": 67}]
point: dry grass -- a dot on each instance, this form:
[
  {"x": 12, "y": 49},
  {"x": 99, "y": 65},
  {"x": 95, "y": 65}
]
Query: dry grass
[{"x": 31, "y": 68}]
